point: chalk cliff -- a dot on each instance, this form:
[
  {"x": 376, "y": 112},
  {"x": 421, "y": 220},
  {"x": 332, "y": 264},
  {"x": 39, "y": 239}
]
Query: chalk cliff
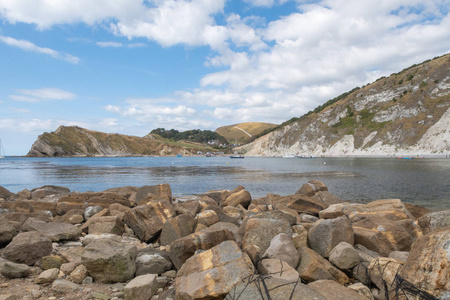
[{"x": 407, "y": 113}]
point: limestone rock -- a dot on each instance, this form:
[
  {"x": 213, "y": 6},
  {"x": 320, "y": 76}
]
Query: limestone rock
[
  {"x": 333, "y": 211},
  {"x": 362, "y": 290},
  {"x": 241, "y": 197},
  {"x": 91, "y": 210},
  {"x": 213, "y": 273},
  {"x": 326, "y": 198},
  {"x": 382, "y": 272},
  {"x": 428, "y": 264},
  {"x": 7, "y": 231},
  {"x": 155, "y": 192},
  {"x": 314, "y": 267},
  {"x": 259, "y": 232},
  {"x": 48, "y": 276},
  {"x": 384, "y": 236},
  {"x": 152, "y": 261},
  {"x": 141, "y": 288},
  {"x": 278, "y": 268},
  {"x": 278, "y": 289},
  {"x": 302, "y": 204},
  {"x": 326, "y": 234},
  {"x": 78, "y": 274},
  {"x": 344, "y": 256},
  {"x": 27, "y": 248},
  {"x": 399, "y": 255},
  {"x": 5, "y": 193},
  {"x": 176, "y": 228},
  {"x": 435, "y": 220},
  {"x": 230, "y": 226},
  {"x": 391, "y": 209},
  {"x": 86, "y": 199},
  {"x": 282, "y": 248},
  {"x": 110, "y": 224},
  {"x": 207, "y": 217},
  {"x": 12, "y": 270},
  {"x": 332, "y": 290},
  {"x": 190, "y": 207},
  {"x": 110, "y": 261},
  {"x": 53, "y": 230},
  {"x": 312, "y": 187},
  {"x": 147, "y": 220},
  {"x": 184, "y": 248},
  {"x": 61, "y": 286},
  {"x": 51, "y": 262}
]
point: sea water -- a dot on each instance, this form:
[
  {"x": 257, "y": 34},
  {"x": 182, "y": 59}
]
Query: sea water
[{"x": 423, "y": 182}]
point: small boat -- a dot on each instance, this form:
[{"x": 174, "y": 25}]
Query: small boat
[
  {"x": 179, "y": 155},
  {"x": 2, "y": 151}
]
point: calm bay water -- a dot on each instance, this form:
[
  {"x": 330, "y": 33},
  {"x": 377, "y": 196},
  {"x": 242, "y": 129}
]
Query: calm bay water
[{"x": 420, "y": 181}]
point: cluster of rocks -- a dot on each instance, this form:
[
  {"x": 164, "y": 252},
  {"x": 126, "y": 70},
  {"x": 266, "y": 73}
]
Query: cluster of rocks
[{"x": 144, "y": 244}]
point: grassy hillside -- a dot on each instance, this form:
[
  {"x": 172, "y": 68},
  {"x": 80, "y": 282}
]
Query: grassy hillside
[{"x": 243, "y": 132}]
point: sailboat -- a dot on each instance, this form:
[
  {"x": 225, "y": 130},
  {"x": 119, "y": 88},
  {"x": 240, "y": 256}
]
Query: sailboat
[{"x": 2, "y": 152}]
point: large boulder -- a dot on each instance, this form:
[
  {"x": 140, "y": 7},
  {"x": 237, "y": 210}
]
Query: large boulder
[
  {"x": 312, "y": 187},
  {"x": 141, "y": 288},
  {"x": 148, "y": 193},
  {"x": 148, "y": 220},
  {"x": 267, "y": 287},
  {"x": 176, "y": 228},
  {"x": 8, "y": 230},
  {"x": 241, "y": 197},
  {"x": 49, "y": 191},
  {"x": 428, "y": 263},
  {"x": 212, "y": 274},
  {"x": 27, "y": 248},
  {"x": 326, "y": 198},
  {"x": 86, "y": 199},
  {"x": 13, "y": 270},
  {"x": 302, "y": 204},
  {"x": 108, "y": 224},
  {"x": 5, "y": 193},
  {"x": 152, "y": 261},
  {"x": 278, "y": 268},
  {"x": 332, "y": 290},
  {"x": 382, "y": 272},
  {"x": 55, "y": 231},
  {"x": 314, "y": 267},
  {"x": 384, "y": 235},
  {"x": 434, "y": 220},
  {"x": 391, "y": 209},
  {"x": 324, "y": 235},
  {"x": 282, "y": 247},
  {"x": 344, "y": 256},
  {"x": 259, "y": 232},
  {"x": 184, "y": 248},
  {"x": 110, "y": 261}
]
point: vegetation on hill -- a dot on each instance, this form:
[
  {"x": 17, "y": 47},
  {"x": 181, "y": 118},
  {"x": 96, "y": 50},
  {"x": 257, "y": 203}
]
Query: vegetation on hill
[
  {"x": 195, "y": 135},
  {"x": 243, "y": 132}
]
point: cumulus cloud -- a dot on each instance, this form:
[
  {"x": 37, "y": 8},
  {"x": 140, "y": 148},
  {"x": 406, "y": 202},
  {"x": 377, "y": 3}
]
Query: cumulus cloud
[
  {"x": 44, "y": 94},
  {"x": 29, "y": 46}
]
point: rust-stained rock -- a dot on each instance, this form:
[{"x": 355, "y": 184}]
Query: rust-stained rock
[
  {"x": 148, "y": 220},
  {"x": 302, "y": 204},
  {"x": 109, "y": 224},
  {"x": 184, "y": 248},
  {"x": 212, "y": 274},
  {"x": 83, "y": 200},
  {"x": 428, "y": 263},
  {"x": 148, "y": 193},
  {"x": 332, "y": 290},
  {"x": 241, "y": 197},
  {"x": 176, "y": 228}
]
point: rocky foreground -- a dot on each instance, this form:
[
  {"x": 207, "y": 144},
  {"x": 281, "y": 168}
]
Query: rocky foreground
[{"x": 141, "y": 243}]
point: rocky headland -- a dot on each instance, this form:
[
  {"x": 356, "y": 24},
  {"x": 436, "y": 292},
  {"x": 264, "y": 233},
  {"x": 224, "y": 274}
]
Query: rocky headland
[{"x": 142, "y": 243}]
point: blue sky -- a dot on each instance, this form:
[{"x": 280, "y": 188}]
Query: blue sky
[{"x": 129, "y": 66}]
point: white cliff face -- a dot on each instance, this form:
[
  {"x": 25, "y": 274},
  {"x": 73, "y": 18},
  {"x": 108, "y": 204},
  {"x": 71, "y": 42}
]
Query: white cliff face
[{"x": 405, "y": 114}]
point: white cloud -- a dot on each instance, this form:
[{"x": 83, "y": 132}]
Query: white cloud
[
  {"x": 44, "y": 94},
  {"x": 109, "y": 44},
  {"x": 29, "y": 46}
]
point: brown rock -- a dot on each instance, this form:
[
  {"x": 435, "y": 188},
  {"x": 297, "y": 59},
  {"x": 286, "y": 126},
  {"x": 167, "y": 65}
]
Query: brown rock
[
  {"x": 428, "y": 264},
  {"x": 148, "y": 220},
  {"x": 314, "y": 267},
  {"x": 7, "y": 231},
  {"x": 241, "y": 197},
  {"x": 176, "y": 228},
  {"x": 434, "y": 220},
  {"x": 78, "y": 274},
  {"x": 4, "y": 193},
  {"x": 332, "y": 290},
  {"x": 326, "y": 234},
  {"x": 48, "y": 276},
  {"x": 282, "y": 248},
  {"x": 141, "y": 288},
  {"x": 53, "y": 230},
  {"x": 384, "y": 236},
  {"x": 27, "y": 248},
  {"x": 207, "y": 217},
  {"x": 51, "y": 262},
  {"x": 302, "y": 204},
  {"x": 155, "y": 192},
  {"x": 190, "y": 207},
  {"x": 382, "y": 272},
  {"x": 184, "y": 248},
  {"x": 83, "y": 200},
  {"x": 278, "y": 268},
  {"x": 111, "y": 224},
  {"x": 212, "y": 274}
]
